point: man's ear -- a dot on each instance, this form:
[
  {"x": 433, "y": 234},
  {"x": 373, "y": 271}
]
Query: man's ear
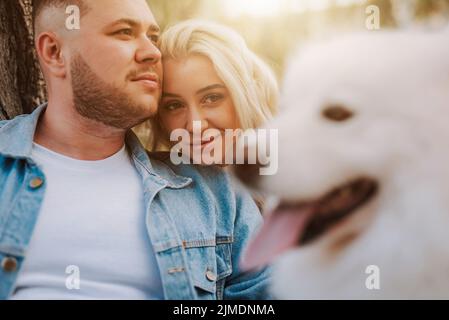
[{"x": 49, "y": 50}]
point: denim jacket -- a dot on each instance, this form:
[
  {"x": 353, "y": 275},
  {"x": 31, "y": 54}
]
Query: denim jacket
[{"x": 198, "y": 220}]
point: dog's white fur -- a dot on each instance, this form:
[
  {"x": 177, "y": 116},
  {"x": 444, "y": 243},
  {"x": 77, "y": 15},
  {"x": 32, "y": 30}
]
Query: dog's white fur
[{"x": 397, "y": 84}]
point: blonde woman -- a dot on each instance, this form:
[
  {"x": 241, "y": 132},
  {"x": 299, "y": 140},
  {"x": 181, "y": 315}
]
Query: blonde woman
[{"x": 213, "y": 78}]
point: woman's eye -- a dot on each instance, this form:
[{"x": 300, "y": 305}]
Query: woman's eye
[
  {"x": 212, "y": 98},
  {"x": 171, "y": 106}
]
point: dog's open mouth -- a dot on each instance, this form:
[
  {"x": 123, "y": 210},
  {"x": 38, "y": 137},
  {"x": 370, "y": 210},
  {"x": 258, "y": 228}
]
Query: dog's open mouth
[
  {"x": 299, "y": 224},
  {"x": 336, "y": 206}
]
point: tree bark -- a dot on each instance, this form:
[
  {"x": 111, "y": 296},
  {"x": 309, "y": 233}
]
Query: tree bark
[{"x": 21, "y": 83}]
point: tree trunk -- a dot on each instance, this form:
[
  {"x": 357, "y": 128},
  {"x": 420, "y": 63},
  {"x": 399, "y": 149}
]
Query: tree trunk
[{"x": 21, "y": 84}]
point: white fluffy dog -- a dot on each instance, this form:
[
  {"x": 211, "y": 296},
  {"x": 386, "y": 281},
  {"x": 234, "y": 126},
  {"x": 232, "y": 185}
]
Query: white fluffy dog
[{"x": 363, "y": 171}]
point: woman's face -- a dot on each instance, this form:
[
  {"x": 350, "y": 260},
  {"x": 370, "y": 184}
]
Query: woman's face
[{"x": 192, "y": 91}]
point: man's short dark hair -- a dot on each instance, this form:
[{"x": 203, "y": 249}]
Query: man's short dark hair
[{"x": 40, "y": 5}]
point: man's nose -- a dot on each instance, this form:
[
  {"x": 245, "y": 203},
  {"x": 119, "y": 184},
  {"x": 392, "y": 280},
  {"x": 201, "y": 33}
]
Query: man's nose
[{"x": 148, "y": 52}]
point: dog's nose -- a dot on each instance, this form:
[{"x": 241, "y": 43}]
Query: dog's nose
[{"x": 248, "y": 173}]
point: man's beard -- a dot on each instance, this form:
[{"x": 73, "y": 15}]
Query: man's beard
[{"x": 97, "y": 100}]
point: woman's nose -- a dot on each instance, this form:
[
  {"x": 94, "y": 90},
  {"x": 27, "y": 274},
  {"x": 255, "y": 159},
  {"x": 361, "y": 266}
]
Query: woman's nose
[{"x": 196, "y": 120}]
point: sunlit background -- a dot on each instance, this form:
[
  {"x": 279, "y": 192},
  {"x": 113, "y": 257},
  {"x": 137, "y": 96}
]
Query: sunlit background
[
  {"x": 273, "y": 28},
  {"x": 261, "y": 8}
]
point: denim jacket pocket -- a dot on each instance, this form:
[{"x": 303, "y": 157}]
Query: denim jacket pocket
[
  {"x": 209, "y": 262},
  {"x": 224, "y": 263}
]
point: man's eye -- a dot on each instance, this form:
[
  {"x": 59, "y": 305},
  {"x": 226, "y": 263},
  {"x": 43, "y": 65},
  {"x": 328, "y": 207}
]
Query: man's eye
[
  {"x": 154, "y": 38},
  {"x": 126, "y": 32},
  {"x": 212, "y": 98}
]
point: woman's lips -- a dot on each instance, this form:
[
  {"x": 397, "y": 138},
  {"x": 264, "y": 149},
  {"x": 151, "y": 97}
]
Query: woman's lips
[{"x": 204, "y": 143}]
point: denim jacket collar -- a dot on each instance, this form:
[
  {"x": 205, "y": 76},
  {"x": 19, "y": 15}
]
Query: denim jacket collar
[
  {"x": 162, "y": 173},
  {"x": 18, "y": 134},
  {"x": 17, "y": 142}
]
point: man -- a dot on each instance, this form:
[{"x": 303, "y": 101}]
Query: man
[{"x": 84, "y": 212}]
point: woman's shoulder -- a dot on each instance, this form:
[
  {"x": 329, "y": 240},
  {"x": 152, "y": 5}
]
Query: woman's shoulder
[
  {"x": 212, "y": 174},
  {"x": 218, "y": 179}
]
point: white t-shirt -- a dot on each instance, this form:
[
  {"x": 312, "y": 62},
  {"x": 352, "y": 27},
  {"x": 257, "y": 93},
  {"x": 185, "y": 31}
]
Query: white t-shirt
[{"x": 91, "y": 224}]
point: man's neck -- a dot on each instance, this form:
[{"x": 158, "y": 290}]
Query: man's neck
[{"x": 62, "y": 130}]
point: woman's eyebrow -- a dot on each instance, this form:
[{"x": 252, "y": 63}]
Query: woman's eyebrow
[
  {"x": 214, "y": 86},
  {"x": 170, "y": 95}
]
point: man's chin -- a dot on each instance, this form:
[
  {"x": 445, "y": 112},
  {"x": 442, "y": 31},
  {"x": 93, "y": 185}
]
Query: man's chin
[
  {"x": 134, "y": 115},
  {"x": 148, "y": 107}
]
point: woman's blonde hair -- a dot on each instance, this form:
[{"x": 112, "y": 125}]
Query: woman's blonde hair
[{"x": 251, "y": 83}]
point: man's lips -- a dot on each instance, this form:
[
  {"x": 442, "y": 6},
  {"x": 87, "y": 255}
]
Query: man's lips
[{"x": 149, "y": 80}]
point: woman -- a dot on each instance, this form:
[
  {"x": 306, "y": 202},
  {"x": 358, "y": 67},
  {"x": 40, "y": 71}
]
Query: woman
[{"x": 211, "y": 77}]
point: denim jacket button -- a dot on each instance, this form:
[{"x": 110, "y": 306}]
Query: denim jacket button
[
  {"x": 211, "y": 276},
  {"x": 9, "y": 264},
  {"x": 36, "y": 183}
]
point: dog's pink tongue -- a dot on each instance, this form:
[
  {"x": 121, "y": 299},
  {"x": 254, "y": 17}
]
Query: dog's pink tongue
[{"x": 280, "y": 232}]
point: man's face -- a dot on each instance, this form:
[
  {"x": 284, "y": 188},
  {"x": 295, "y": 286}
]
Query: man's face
[{"x": 116, "y": 69}]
